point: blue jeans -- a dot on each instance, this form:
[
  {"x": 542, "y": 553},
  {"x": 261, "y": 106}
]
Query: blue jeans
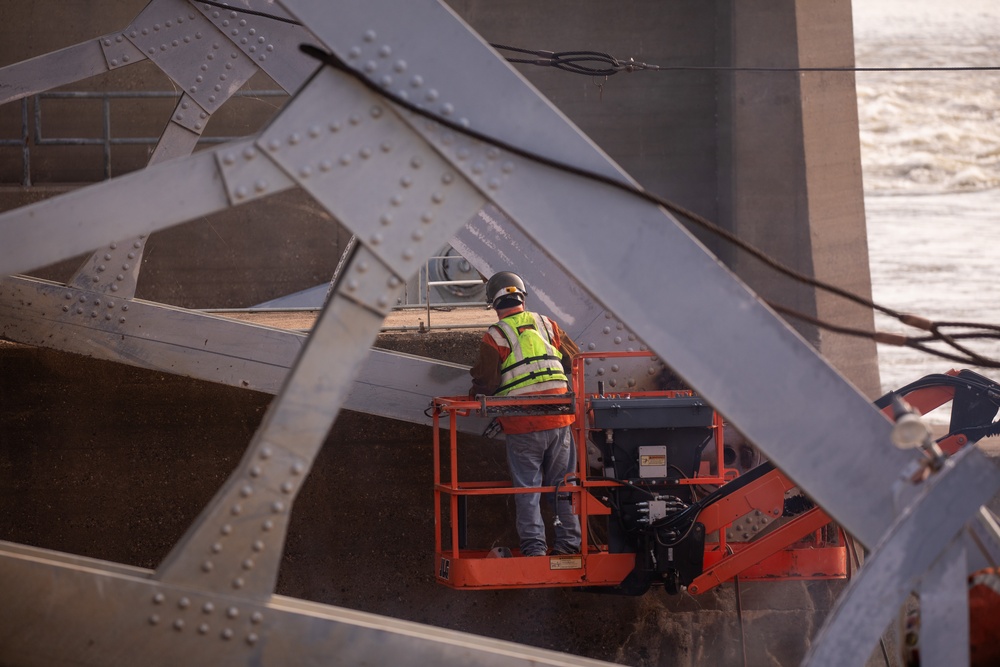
[{"x": 542, "y": 458}]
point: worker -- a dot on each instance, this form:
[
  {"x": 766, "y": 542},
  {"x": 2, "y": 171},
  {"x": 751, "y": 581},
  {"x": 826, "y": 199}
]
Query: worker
[{"x": 526, "y": 354}]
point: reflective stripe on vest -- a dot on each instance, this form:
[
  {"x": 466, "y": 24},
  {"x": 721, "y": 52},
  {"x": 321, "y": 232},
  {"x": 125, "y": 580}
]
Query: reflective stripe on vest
[{"x": 534, "y": 364}]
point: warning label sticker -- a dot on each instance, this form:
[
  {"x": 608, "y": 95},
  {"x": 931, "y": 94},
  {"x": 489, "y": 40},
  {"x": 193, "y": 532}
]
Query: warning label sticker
[{"x": 565, "y": 562}]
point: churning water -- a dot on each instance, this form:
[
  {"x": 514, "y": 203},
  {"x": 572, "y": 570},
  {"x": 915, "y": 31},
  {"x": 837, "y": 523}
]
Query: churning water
[{"x": 930, "y": 149}]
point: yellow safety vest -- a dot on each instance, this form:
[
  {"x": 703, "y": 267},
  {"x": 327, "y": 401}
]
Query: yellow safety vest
[{"x": 534, "y": 364}]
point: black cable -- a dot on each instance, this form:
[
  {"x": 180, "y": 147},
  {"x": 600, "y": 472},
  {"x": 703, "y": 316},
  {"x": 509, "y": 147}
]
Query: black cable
[
  {"x": 334, "y": 61},
  {"x": 244, "y": 10}
]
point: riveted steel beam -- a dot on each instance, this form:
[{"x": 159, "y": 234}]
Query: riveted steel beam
[
  {"x": 102, "y": 613},
  {"x": 100, "y": 324}
]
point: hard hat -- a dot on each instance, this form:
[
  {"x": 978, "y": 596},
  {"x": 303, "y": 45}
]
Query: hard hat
[{"x": 504, "y": 283}]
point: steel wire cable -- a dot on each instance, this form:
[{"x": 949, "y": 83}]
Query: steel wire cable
[{"x": 911, "y": 320}]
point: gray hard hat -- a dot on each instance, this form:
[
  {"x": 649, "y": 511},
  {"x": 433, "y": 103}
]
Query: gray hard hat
[{"x": 504, "y": 284}]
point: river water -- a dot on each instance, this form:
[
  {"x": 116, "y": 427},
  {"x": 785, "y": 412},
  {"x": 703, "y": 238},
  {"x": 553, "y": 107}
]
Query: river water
[{"x": 930, "y": 150}]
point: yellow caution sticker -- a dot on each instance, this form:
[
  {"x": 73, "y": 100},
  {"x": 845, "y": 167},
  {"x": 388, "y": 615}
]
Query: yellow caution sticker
[
  {"x": 652, "y": 460},
  {"x": 571, "y": 562}
]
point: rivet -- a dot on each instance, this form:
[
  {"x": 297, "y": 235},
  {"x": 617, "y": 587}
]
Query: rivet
[
  {"x": 114, "y": 62},
  {"x": 121, "y": 320},
  {"x": 643, "y": 348},
  {"x": 236, "y": 509},
  {"x": 651, "y": 370},
  {"x": 258, "y": 546},
  {"x": 305, "y": 172},
  {"x": 417, "y": 235},
  {"x": 255, "y": 471},
  {"x": 416, "y": 81},
  {"x": 394, "y": 282},
  {"x": 462, "y": 153},
  {"x": 101, "y": 267},
  {"x": 203, "y": 628},
  {"x": 217, "y": 547},
  {"x": 355, "y": 52},
  {"x": 107, "y": 317},
  {"x": 294, "y": 138},
  {"x": 238, "y": 582},
  {"x": 600, "y": 371},
  {"x": 353, "y": 285},
  {"x": 385, "y": 146},
  {"x": 477, "y": 168},
  {"x": 416, "y": 163},
  {"x": 208, "y": 607},
  {"x": 492, "y": 153},
  {"x": 606, "y": 330},
  {"x": 376, "y": 112},
  {"x": 494, "y": 184},
  {"x": 242, "y": 192},
  {"x": 274, "y": 144},
  {"x": 94, "y": 314},
  {"x": 298, "y": 468},
  {"x": 226, "y": 529},
  {"x": 447, "y": 178},
  {"x": 613, "y": 382},
  {"x": 437, "y": 197},
  {"x": 277, "y": 507},
  {"x": 369, "y": 36},
  {"x": 400, "y": 66},
  {"x": 345, "y": 159},
  {"x": 246, "y": 491},
  {"x": 426, "y": 217},
  {"x": 385, "y": 51},
  {"x": 385, "y": 219},
  {"x": 131, "y": 255},
  {"x": 248, "y": 564},
  {"x": 334, "y": 127},
  {"x": 252, "y": 638},
  {"x": 365, "y": 153},
  {"x": 65, "y": 309},
  {"x": 431, "y": 95},
  {"x": 618, "y": 340},
  {"x": 179, "y": 624},
  {"x": 376, "y": 239},
  {"x": 382, "y": 301},
  {"x": 447, "y": 109},
  {"x": 256, "y": 618},
  {"x": 227, "y": 634},
  {"x": 228, "y": 158},
  {"x": 79, "y": 311},
  {"x": 385, "y": 82},
  {"x": 266, "y": 452},
  {"x": 447, "y": 138},
  {"x": 620, "y": 326},
  {"x": 154, "y": 619},
  {"x": 159, "y": 598},
  {"x": 184, "y": 603},
  {"x": 267, "y": 525},
  {"x": 591, "y": 346},
  {"x": 408, "y": 254},
  {"x": 396, "y": 200},
  {"x": 370, "y": 66},
  {"x": 325, "y": 165},
  {"x": 614, "y": 368},
  {"x": 354, "y": 119}
]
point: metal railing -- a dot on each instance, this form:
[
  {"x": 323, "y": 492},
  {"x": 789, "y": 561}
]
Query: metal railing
[{"x": 36, "y": 138}]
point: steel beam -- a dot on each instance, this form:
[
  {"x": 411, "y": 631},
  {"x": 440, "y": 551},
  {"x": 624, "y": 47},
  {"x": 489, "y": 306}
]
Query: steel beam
[
  {"x": 102, "y": 613},
  {"x": 100, "y": 324},
  {"x": 926, "y": 538}
]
